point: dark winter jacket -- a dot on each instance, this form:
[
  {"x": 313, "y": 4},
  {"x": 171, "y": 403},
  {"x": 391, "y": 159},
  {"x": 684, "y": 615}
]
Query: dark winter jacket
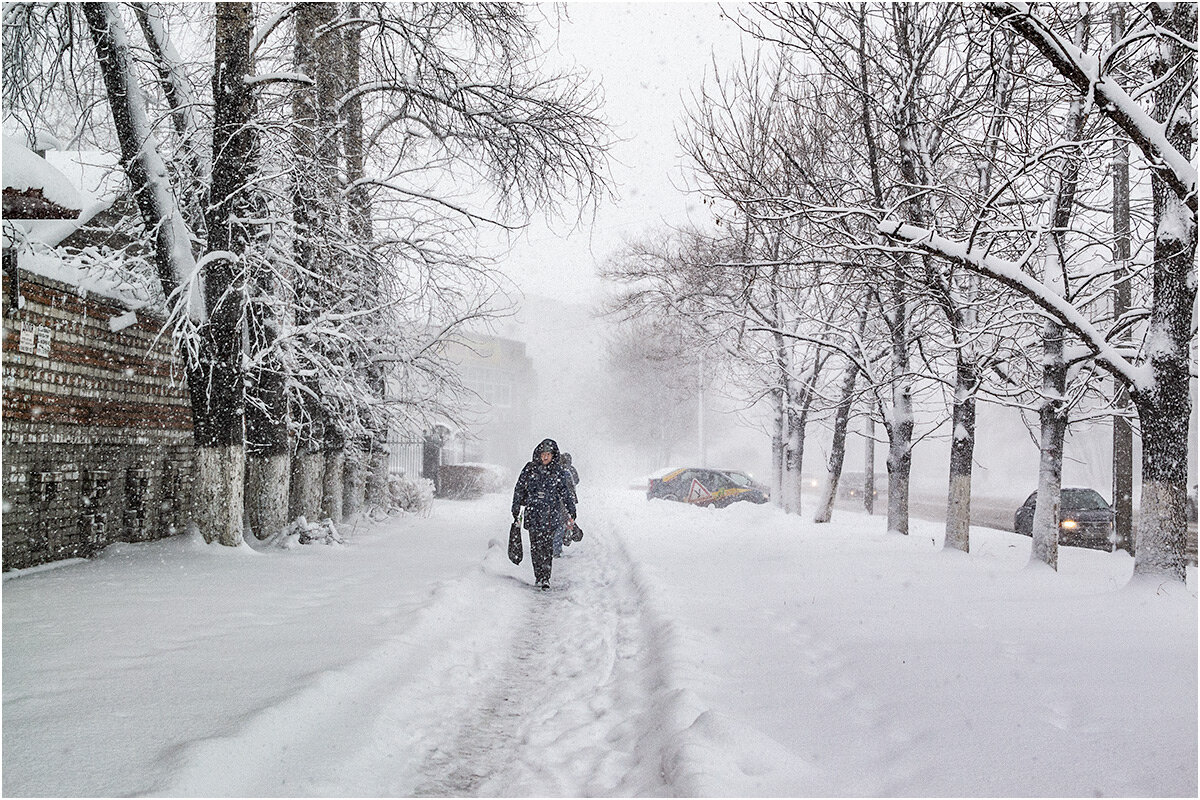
[
  {"x": 565, "y": 458},
  {"x": 572, "y": 473},
  {"x": 544, "y": 489}
]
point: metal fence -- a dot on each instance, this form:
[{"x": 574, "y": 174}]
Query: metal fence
[{"x": 404, "y": 457}]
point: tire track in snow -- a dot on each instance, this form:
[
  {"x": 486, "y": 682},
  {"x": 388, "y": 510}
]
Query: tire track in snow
[{"x": 572, "y": 710}]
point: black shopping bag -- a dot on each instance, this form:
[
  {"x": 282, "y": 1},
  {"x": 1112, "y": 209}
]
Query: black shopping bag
[
  {"x": 516, "y": 550},
  {"x": 576, "y": 533}
]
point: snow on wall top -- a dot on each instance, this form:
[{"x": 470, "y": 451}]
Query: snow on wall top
[
  {"x": 24, "y": 169},
  {"x": 99, "y": 179}
]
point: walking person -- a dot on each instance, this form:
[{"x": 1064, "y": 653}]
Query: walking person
[
  {"x": 546, "y": 492},
  {"x": 573, "y": 475}
]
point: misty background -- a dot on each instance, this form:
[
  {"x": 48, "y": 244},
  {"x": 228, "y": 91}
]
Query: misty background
[{"x": 555, "y": 264}]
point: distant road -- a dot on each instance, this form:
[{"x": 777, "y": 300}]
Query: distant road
[{"x": 985, "y": 512}]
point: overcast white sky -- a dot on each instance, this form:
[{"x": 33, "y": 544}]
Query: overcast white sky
[{"x": 647, "y": 58}]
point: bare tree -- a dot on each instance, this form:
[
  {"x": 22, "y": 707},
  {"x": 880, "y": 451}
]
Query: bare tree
[{"x": 1157, "y": 376}]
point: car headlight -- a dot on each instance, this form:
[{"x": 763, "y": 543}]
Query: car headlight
[{"x": 1070, "y": 524}]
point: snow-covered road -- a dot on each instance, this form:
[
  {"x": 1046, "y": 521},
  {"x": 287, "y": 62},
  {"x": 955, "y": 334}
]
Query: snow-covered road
[{"x": 681, "y": 651}]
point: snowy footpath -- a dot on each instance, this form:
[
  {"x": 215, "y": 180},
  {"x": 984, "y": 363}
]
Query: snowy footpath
[{"x": 681, "y": 651}]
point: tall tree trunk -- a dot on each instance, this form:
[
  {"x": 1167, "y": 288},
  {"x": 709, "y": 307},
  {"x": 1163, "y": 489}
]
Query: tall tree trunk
[
  {"x": 331, "y": 84},
  {"x": 218, "y": 412},
  {"x": 962, "y": 456},
  {"x": 213, "y": 367},
  {"x": 780, "y": 393},
  {"x": 1122, "y": 432},
  {"x": 315, "y": 214},
  {"x": 901, "y": 424},
  {"x": 268, "y": 460},
  {"x": 899, "y": 459},
  {"x": 141, "y": 158},
  {"x": 366, "y": 472},
  {"x": 793, "y": 452},
  {"x": 1053, "y": 422},
  {"x": 837, "y": 449},
  {"x": 1053, "y": 414},
  {"x": 268, "y": 453},
  {"x": 1163, "y": 402},
  {"x": 778, "y": 439},
  {"x": 799, "y": 407},
  {"x": 962, "y": 319},
  {"x": 898, "y": 420}
]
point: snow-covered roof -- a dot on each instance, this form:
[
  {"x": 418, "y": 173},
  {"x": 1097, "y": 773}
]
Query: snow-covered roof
[
  {"x": 24, "y": 171},
  {"x": 96, "y": 176}
]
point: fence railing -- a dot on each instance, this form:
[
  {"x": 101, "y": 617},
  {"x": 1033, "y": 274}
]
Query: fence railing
[{"x": 404, "y": 457}]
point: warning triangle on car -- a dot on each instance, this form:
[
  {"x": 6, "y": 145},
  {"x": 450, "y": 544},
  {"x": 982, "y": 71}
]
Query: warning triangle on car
[{"x": 698, "y": 492}]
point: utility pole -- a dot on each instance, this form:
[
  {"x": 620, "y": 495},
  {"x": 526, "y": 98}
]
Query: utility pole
[
  {"x": 1122, "y": 441},
  {"x": 869, "y": 466},
  {"x": 700, "y": 411}
]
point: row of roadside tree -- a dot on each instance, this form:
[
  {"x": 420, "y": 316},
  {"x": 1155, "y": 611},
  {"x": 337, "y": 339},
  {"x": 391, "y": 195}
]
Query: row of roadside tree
[
  {"x": 310, "y": 181},
  {"x": 950, "y": 204}
]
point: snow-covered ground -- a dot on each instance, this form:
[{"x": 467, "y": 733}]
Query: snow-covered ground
[{"x": 681, "y": 651}]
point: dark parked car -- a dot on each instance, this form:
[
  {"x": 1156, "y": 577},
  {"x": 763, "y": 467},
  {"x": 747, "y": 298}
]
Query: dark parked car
[
  {"x": 1085, "y": 519},
  {"x": 702, "y": 486}
]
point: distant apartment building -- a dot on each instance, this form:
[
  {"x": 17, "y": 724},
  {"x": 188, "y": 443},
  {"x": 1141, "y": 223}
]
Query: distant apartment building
[{"x": 499, "y": 420}]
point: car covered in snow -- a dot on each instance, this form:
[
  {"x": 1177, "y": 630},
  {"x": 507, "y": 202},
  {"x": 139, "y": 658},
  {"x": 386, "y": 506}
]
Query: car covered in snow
[
  {"x": 1085, "y": 519},
  {"x": 703, "y": 486}
]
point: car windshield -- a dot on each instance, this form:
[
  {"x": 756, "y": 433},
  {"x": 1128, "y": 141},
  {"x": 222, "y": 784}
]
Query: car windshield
[{"x": 1082, "y": 500}]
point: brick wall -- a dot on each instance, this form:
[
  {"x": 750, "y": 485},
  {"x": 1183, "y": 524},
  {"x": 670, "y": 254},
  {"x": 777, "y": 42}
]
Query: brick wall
[{"x": 96, "y": 426}]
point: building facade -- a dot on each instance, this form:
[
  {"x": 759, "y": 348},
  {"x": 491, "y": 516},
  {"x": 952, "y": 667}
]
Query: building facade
[
  {"x": 502, "y": 384},
  {"x": 96, "y": 424}
]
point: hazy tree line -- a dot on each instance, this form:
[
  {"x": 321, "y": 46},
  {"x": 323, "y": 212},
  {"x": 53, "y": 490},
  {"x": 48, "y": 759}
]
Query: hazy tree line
[
  {"x": 310, "y": 180},
  {"x": 921, "y": 205}
]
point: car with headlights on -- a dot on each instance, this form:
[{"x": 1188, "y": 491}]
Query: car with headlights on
[{"x": 1085, "y": 519}]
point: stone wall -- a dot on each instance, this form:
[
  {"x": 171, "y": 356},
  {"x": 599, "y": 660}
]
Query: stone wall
[{"x": 96, "y": 425}]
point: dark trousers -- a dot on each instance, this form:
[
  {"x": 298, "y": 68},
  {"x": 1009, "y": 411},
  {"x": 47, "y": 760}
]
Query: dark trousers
[{"x": 541, "y": 552}]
